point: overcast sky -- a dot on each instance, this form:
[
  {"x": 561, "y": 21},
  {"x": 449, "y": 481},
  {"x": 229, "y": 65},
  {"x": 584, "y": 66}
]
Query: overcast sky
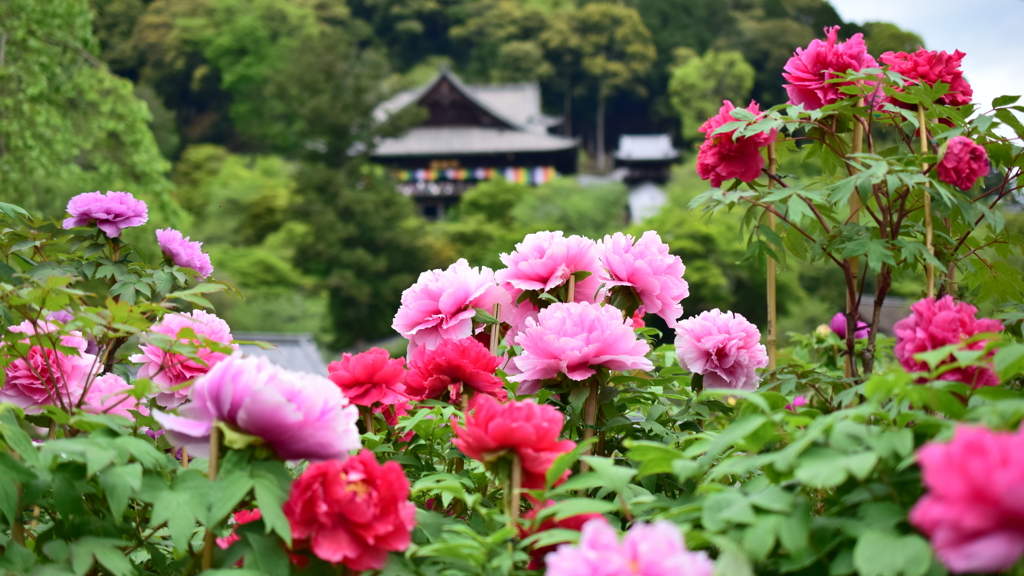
[{"x": 988, "y": 31}]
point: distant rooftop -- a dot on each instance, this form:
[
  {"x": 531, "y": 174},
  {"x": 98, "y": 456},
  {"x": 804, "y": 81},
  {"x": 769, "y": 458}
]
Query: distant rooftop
[
  {"x": 650, "y": 147},
  {"x": 455, "y": 140},
  {"x": 293, "y": 351}
]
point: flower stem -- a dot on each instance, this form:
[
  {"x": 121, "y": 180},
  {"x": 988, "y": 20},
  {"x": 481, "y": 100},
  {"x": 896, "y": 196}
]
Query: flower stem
[
  {"x": 368, "y": 420},
  {"x": 773, "y": 163},
  {"x": 590, "y": 418},
  {"x": 514, "y": 487},
  {"x": 208, "y": 539},
  {"x": 929, "y": 269}
]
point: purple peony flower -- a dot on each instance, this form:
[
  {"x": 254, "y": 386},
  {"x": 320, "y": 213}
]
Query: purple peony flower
[
  {"x": 111, "y": 212},
  {"x": 301, "y": 416},
  {"x": 183, "y": 252},
  {"x": 838, "y": 325}
]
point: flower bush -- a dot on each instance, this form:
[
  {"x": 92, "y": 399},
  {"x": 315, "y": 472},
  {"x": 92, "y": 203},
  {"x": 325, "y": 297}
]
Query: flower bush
[{"x": 539, "y": 427}]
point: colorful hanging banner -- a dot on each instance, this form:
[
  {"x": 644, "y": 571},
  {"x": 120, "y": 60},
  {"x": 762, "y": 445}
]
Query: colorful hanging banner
[{"x": 535, "y": 175}]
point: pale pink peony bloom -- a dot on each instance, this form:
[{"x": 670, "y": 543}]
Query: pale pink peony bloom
[
  {"x": 724, "y": 347},
  {"x": 962, "y": 163},
  {"x": 46, "y": 376},
  {"x": 110, "y": 394},
  {"x": 723, "y": 156},
  {"x": 183, "y": 252},
  {"x": 576, "y": 339},
  {"x": 930, "y": 67},
  {"x": 972, "y": 510},
  {"x": 111, "y": 212},
  {"x": 655, "y": 549},
  {"x": 298, "y": 415},
  {"x": 936, "y": 323},
  {"x": 809, "y": 70},
  {"x": 649, "y": 269},
  {"x": 545, "y": 260},
  {"x": 169, "y": 369},
  {"x": 441, "y": 304}
]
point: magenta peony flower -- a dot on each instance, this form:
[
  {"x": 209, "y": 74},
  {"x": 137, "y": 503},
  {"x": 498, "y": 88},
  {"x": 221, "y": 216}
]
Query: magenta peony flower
[
  {"x": 45, "y": 376},
  {"x": 809, "y": 70},
  {"x": 299, "y": 415},
  {"x": 722, "y": 157},
  {"x": 370, "y": 378},
  {"x": 929, "y": 66},
  {"x": 111, "y": 212},
  {"x": 936, "y": 323},
  {"x": 169, "y": 369},
  {"x": 647, "y": 267},
  {"x": 962, "y": 163},
  {"x": 545, "y": 260},
  {"x": 972, "y": 511},
  {"x": 576, "y": 339},
  {"x": 454, "y": 366},
  {"x": 796, "y": 403},
  {"x": 441, "y": 304},
  {"x": 724, "y": 347},
  {"x": 647, "y": 550},
  {"x": 183, "y": 252},
  {"x": 838, "y": 325},
  {"x": 109, "y": 394}
]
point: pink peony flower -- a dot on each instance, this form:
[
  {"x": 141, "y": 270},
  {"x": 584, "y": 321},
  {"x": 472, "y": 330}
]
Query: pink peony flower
[
  {"x": 838, "y": 325},
  {"x": 169, "y": 369},
  {"x": 972, "y": 510},
  {"x": 796, "y": 403},
  {"x": 370, "y": 378},
  {"x": 111, "y": 212},
  {"x": 545, "y": 260},
  {"x": 576, "y": 339},
  {"x": 647, "y": 550},
  {"x": 299, "y": 415},
  {"x": 441, "y": 304},
  {"x": 45, "y": 376},
  {"x": 929, "y": 66},
  {"x": 962, "y": 163},
  {"x": 183, "y": 252},
  {"x": 454, "y": 364},
  {"x": 809, "y": 70},
  {"x": 529, "y": 429},
  {"x": 648, "y": 269},
  {"x": 722, "y": 157},
  {"x": 571, "y": 523},
  {"x": 110, "y": 394},
  {"x": 936, "y": 323},
  {"x": 724, "y": 347}
]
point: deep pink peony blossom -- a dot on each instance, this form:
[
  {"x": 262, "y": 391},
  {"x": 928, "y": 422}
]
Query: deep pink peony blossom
[
  {"x": 973, "y": 512},
  {"x": 647, "y": 267},
  {"x": 352, "y": 512},
  {"x": 111, "y": 212},
  {"x": 936, "y": 323},
  {"x": 571, "y": 523},
  {"x": 724, "y": 347},
  {"x": 723, "y": 157},
  {"x": 109, "y": 394},
  {"x": 962, "y": 163},
  {"x": 240, "y": 518},
  {"x": 441, "y": 304},
  {"x": 453, "y": 366},
  {"x": 929, "y": 66},
  {"x": 529, "y": 429},
  {"x": 576, "y": 339},
  {"x": 810, "y": 69},
  {"x": 169, "y": 369},
  {"x": 838, "y": 326},
  {"x": 545, "y": 260},
  {"x": 299, "y": 415},
  {"x": 46, "y": 376},
  {"x": 796, "y": 403},
  {"x": 369, "y": 378},
  {"x": 655, "y": 549},
  {"x": 183, "y": 252}
]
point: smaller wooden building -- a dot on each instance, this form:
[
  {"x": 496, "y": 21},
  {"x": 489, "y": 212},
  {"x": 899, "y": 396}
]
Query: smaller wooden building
[{"x": 646, "y": 157}]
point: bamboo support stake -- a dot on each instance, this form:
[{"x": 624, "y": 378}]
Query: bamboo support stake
[
  {"x": 855, "y": 207},
  {"x": 515, "y": 490},
  {"x": 368, "y": 420},
  {"x": 209, "y": 539},
  {"x": 929, "y": 270},
  {"x": 773, "y": 163},
  {"x": 571, "y": 295},
  {"x": 184, "y": 457},
  {"x": 590, "y": 419},
  {"x": 496, "y": 331}
]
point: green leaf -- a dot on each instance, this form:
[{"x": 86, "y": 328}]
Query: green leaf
[
  {"x": 1001, "y": 101},
  {"x": 576, "y": 506},
  {"x": 265, "y": 553},
  {"x": 118, "y": 483},
  {"x": 227, "y": 493},
  {"x": 888, "y": 554},
  {"x": 655, "y": 458},
  {"x": 271, "y": 482},
  {"x": 484, "y": 317},
  {"x": 565, "y": 461},
  {"x": 13, "y": 211},
  {"x": 16, "y": 437}
]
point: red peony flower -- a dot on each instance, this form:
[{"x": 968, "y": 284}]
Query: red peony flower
[
  {"x": 529, "y": 429},
  {"x": 571, "y": 523},
  {"x": 809, "y": 70},
  {"x": 931, "y": 67},
  {"x": 240, "y": 518},
  {"x": 721, "y": 157},
  {"x": 352, "y": 512},
  {"x": 449, "y": 367},
  {"x": 369, "y": 378},
  {"x": 962, "y": 163},
  {"x": 936, "y": 323}
]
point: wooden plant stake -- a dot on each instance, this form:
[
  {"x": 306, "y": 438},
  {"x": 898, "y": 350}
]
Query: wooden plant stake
[
  {"x": 209, "y": 538},
  {"x": 184, "y": 457},
  {"x": 773, "y": 164},
  {"x": 515, "y": 488},
  {"x": 496, "y": 331},
  {"x": 855, "y": 207},
  {"x": 929, "y": 270}
]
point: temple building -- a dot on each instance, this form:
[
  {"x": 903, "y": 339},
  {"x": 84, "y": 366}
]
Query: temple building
[
  {"x": 472, "y": 134},
  {"x": 645, "y": 164}
]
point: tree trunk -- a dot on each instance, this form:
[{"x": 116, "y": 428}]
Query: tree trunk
[
  {"x": 600, "y": 133},
  {"x": 567, "y": 110}
]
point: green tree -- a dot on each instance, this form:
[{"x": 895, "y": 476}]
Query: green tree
[
  {"x": 700, "y": 83},
  {"x": 883, "y": 37},
  {"x": 504, "y": 40}
]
